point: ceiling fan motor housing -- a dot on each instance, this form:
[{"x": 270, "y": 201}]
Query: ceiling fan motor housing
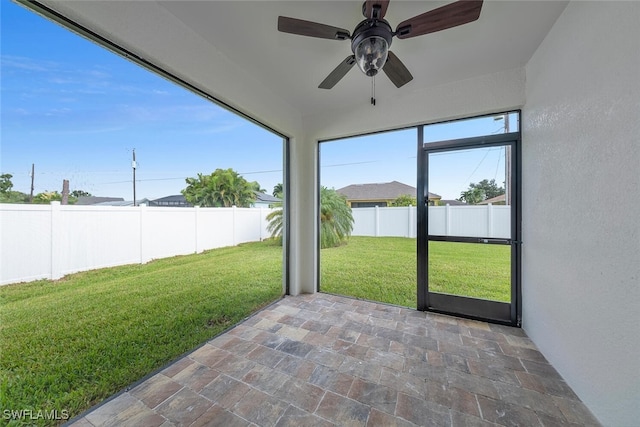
[
  {"x": 371, "y": 39},
  {"x": 370, "y": 44}
]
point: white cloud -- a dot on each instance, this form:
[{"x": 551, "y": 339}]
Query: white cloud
[
  {"x": 20, "y": 111},
  {"x": 25, "y": 63},
  {"x": 180, "y": 113},
  {"x": 220, "y": 128},
  {"x": 87, "y": 131},
  {"x": 58, "y": 112}
]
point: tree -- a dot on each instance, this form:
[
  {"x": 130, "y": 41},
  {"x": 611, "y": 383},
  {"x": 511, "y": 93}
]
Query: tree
[
  {"x": 278, "y": 190},
  {"x": 336, "y": 220},
  {"x": 481, "y": 191},
  {"x": 223, "y": 188},
  {"x": 5, "y": 183},
  {"x": 472, "y": 196},
  {"x": 80, "y": 193},
  {"x": 47, "y": 197},
  {"x": 14, "y": 197},
  {"x": 404, "y": 200},
  {"x": 490, "y": 188},
  {"x": 257, "y": 188},
  {"x": 7, "y": 195},
  {"x": 275, "y": 219}
]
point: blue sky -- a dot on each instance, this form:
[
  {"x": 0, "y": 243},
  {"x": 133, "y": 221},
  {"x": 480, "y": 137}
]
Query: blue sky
[
  {"x": 391, "y": 156},
  {"x": 77, "y": 111}
]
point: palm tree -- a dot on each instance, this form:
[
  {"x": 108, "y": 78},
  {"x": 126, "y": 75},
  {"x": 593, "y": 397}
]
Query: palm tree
[
  {"x": 223, "y": 188},
  {"x": 275, "y": 222},
  {"x": 278, "y": 190},
  {"x": 257, "y": 187},
  {"x": 336, "y": 221}
]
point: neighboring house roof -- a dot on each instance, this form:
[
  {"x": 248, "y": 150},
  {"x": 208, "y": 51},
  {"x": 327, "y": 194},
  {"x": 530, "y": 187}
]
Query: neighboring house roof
[
  {"x": 497, "y": 199},
  {"x": 122, "y": 202},
  {"x": 379, "y": 191},
  {"x": 452, "y": 203},
  {"x": 179, "y": 200},
  {"x": 175, "y": 200},
  {"x": 94, "y": 200},
  {"x": 266, "y": 198}
]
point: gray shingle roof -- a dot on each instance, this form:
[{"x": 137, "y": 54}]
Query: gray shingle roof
[
  {"x": 93, "y": 200},
  {"x": 266, "y": 198},
  {"x": 379, "y": 191},
  {"x": 123, "y": 203},
  {"x": 452, "y": 202},
  {"x": 174, "y": 199}
]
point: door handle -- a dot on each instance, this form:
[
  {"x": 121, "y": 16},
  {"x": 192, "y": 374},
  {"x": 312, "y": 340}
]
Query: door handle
[{"x": 494, "y": 241}]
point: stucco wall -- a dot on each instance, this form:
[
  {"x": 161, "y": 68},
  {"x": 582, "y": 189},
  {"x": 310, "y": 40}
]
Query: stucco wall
[
  {"x": 581, "y": 150},
  {"x": 303, "y": 221}
]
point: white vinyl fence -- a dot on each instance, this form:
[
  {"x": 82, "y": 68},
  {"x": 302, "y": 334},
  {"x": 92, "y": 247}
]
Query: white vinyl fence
[
  {"x": 50, "y": 241},
  {"x": 468, "y": 221}
]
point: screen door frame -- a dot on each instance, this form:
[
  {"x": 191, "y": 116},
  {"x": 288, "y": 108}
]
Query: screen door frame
[{"x": 492, "y": 311}]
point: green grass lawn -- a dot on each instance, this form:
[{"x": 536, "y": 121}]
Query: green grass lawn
[
  {"x": 469, "y": 269},
  {"x": 373, "y": 268},
  {"x": 68, "y": 344},
  {"x": 384, "y": 269}
]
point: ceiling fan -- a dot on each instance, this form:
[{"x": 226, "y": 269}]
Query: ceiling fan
[{"x": 372, "y": 37}]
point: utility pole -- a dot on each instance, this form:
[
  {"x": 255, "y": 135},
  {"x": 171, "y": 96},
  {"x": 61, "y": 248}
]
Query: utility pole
[
  {"x": 133, "y": 165},
  {"x": 33, "y": 176}
]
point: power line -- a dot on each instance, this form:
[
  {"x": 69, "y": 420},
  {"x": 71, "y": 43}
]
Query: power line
[
  {"x": 241, "y": 173},
  {"x": 351, "y": 164},
  {"x": 477, "y": 167},
  {"x": 495, "y": 176},
  {"x": 139, "y": 180},
  {"x": 258, "y": 172}
]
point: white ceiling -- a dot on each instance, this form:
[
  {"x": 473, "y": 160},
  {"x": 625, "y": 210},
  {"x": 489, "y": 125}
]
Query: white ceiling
[{"x": 243, "y": 35}]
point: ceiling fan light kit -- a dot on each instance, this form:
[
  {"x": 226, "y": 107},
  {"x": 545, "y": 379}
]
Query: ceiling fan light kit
[
  {"x": 372, "y": 37},
  {"x": 370, "y": 44}
]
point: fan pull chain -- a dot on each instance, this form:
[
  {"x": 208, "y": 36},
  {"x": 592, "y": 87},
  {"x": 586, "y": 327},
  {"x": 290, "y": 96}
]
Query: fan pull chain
[{"x": 373, "y": 90}]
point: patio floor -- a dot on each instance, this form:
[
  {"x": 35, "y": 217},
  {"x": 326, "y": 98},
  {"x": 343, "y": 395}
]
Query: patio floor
[{"x": 323, "y": 360}]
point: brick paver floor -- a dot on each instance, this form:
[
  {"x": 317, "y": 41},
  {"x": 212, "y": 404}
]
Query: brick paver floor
[{"x": 325, "y": 360}]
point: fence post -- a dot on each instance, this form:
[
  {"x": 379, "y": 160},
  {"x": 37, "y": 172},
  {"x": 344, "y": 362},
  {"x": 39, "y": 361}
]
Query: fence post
[
  {"x": 233, "y": 224},
  {"x": 489, "y": 220},
  {"x": 447, "y": 220},
  {"x": 196, "y": 210},
  {"x": 56, "y": 237},
  {"x": 376, "y": 221},
  {"x": 490, "y": 214},
  {"x": 143, "y": 247}
]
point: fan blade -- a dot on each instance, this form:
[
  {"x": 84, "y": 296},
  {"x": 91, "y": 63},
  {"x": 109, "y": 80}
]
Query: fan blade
[
  {"x": 311, "y": 29},
  {"x": 448, "y": 16},
  {"x": 396, "y": 71},
  {"x": 368, "y": 8},
  {"x": 338, "y": 73}
]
